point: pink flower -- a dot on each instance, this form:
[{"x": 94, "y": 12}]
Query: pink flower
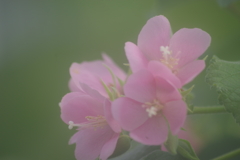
[
  {"x": 190, "y": 135},
  {"x": 97, "y": 132},
  {"x": 92, "y": 73},
  {"x": 149, "y": 100},
  {"x": 177, "y": 54}
]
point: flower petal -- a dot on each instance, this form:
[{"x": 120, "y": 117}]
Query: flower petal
[
  {"x": 188, "y": 44},
  {"x": 78, "y": 107},
  {"x": 72, "y": 86},
  {"x": 141, "y": 86},
  {"x": 109, "y": 147},
  {"x": 109, "y": 117},
  {"x": 70, "y": 96},
  {"x": 153, "y": 132},
  {"x": 74, "y": 138},
  {"x": 91, "y": 92},
  {"x": 175, "y": 112},
  {"x": 114, "y": 67},
  {"x": 135, "y": 57},
  {"x": 91, "y": 141},
  {"x": 159, "y": 69},
  {"x": 166, "y": 91},
  {"x": 154, "y": 34},
  {"x": 190, "y": 71},
  {"x": 129, "y": 113},
  {"x": 86, "y": 73}
]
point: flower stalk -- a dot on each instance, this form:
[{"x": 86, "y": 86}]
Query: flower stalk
[
  {"x": 209, "y": 109},
  {"x": 228, "y": 155}
]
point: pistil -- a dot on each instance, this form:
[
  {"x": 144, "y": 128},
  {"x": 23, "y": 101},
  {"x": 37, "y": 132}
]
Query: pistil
[{"x": 93, "y": 122}]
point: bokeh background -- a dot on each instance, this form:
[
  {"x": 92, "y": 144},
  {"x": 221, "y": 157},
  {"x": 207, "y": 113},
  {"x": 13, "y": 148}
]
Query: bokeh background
[{"x": 40, "y": 39}]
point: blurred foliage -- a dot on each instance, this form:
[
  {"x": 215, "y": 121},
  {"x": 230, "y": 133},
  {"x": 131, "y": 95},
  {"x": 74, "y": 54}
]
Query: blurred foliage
[
  {"x": 40, "y": 39},
  {"x": 225, "y": 3},
  {"x": 123, "y": 145},
  {"x": 137, "y": 151},
  {"x": 157, "y": 154},
  {"x": 224, "y": 76}
]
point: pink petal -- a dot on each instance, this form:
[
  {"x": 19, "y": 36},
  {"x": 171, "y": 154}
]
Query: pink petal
[
  {"x": 109, "y": 147},
  {"x": 135, "y": 57},
  {"x": 163, "y": 148},
  {"x": 91, "y": 141},
  {"x": 166, "y": 91},
  {"x": 114, "y": 67},
  {"x": 159, "y": 69},
  {"x": 72, "y": 86},
  {"x": 91, "y": 92},
  {"x": 154, "y": 34},
  {"x": 74, "y": 138},
  {"x": 141, "y": 87},
  {"x": 153, "y": 132},
  {"x": 78, "y": 107},
  {"x": 86, "y": 73},
  {"x": 188, "y": 44},
  {"x": 190, "y": 71},
  {"x": 129, "y": 113},
  {"x": 109, "y": 117},
  {"x": 70, "y": 96},
  {"x": 175, "y": 112}
]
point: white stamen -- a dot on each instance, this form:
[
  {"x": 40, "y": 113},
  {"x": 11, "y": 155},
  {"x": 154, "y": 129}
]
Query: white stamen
[
  {"x": 165, "y": 50},
  {"x": 93, "y": 122},
  {"x": 153, "y": 108},
  {"x": 168, "y": 59},
  {"x": 71, "y": 125},
  {"x": 152, "y": 111}
]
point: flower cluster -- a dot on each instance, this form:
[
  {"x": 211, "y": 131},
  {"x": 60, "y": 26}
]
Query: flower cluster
[{"x": 105, "y": 100}]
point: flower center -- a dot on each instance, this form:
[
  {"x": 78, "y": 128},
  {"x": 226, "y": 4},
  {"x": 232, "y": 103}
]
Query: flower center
[
  {"x": 168, "y": 59},
  {"x": 153, "y": 108},
  {"x": 93, "y": 122}
]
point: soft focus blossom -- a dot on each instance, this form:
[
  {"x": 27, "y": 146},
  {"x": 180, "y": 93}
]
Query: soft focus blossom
[
  {"x": 176, "y": 55},
  {"x": 148, "y": 105},
  {"x": 97, "y": 132},
  {"x": 92, "y": 73},
  {"x": 190, "y": 135},
  {"x": 149, "y": 102}
]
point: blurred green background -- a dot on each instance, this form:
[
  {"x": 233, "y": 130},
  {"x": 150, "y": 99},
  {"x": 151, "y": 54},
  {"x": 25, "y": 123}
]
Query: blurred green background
[{"x": 40, "y": 39}]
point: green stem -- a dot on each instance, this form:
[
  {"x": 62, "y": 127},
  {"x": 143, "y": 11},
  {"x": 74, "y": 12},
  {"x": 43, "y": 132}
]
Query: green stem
[
  {"x": 210, "y": 109},
  {"x": 228, "y": 155}
]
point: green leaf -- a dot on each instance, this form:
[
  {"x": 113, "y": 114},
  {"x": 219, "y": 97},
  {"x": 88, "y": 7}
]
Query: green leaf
[
  {"x": 137, "y": 152},
  {"x": 110, "y": 95},
  {"x": 225, "y": 77},
  {"x": 160, "y": 155},
  {"x": 123, "y": 144},
  {"x": 112, "y": 74},
  {"x": 172, "y": 143},
  {"x": 185, "y": 92},
  {"x": 188, "y": 97},
  {"x": 185, "y": 149},
  {"x": 121, "y": 82}
]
